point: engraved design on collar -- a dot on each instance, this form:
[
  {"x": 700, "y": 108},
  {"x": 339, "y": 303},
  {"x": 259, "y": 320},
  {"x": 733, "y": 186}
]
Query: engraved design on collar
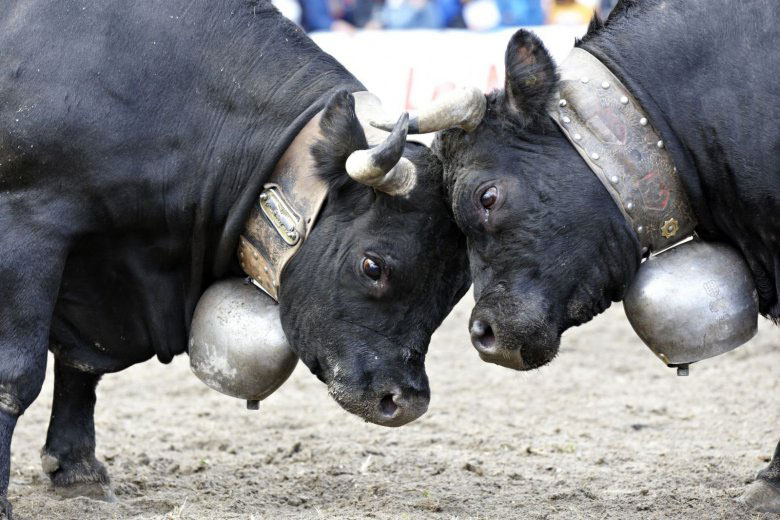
[{"x": 609, "y": 129}]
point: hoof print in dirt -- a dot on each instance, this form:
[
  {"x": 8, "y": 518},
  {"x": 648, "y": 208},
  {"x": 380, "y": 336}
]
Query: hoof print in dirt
[
  {"x": 80, "y": 479},
  {"x": 762, "y": 497}
]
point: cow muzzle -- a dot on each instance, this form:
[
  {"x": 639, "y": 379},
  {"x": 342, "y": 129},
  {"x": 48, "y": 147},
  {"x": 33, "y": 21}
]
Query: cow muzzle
[
  {"x": 517, "y": 336},
  {"x": 385, "y": 406},
  {"x": 483, "y": 337}
]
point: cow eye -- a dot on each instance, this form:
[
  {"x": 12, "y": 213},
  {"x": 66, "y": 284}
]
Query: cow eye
[
  {"x": 371, "y": 268},
  {"x": 489, "y": 197}
]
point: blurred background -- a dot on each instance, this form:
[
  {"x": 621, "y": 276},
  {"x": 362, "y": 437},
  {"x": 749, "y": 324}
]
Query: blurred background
[
  {"x": 409, "y": 52},
  {"x": 478, "y": 15}
]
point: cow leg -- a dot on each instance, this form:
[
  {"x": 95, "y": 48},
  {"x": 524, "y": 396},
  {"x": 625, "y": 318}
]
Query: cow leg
[
  {"x": 69, "y": 454},
  {"x": 33, "y": 257},
  {"x": 763, "y": 495},
  {"x": 7, "y": 424}
]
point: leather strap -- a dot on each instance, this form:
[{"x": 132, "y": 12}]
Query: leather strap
[
  {"x": 284, "y": 214},
  {"x": 288, "y": 206},
  {"x": 614, "y": 136}
]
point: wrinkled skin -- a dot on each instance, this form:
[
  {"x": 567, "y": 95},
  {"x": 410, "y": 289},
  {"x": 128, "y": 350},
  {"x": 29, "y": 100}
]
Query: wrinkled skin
[
  {"x": 367, "y": 338},
  {"x": 549, "y": 249}
]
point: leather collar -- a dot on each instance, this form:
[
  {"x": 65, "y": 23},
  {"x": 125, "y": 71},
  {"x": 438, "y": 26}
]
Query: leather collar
[
  {"x": 614, "y": 136},
  {"x": 287, "y": 208}
]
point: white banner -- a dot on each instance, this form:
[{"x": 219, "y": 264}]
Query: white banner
[{"x": 407, "y": 69}]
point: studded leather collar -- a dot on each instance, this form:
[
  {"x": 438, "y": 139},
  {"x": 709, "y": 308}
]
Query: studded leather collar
[{"x": 614, "y": 136}]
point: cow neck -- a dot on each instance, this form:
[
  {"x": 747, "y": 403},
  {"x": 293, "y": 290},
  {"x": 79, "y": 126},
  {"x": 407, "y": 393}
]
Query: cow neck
[
  {"x": 285, "y": 212},
  {"x": 613, "y": 134}
]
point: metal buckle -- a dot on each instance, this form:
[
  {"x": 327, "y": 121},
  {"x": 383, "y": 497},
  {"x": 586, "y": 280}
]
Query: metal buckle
[{"x": 280, "y": 214}]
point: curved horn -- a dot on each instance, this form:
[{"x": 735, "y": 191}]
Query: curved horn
[
  {"x": 383, "y": 167},
  {"x": 464, "y": 108}
]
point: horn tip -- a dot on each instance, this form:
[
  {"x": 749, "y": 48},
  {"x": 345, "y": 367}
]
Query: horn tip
[{"x": 383, "y": 125}]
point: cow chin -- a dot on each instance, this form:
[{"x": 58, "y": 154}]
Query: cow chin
[
  {"x": 388, "y": 407},
  {"x": 519, "y": 336}
]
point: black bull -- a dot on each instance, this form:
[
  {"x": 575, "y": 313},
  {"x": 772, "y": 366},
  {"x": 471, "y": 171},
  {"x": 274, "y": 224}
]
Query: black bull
[
  {"x": 133, "y": 140},
  {"x": 549, "y": 249}
]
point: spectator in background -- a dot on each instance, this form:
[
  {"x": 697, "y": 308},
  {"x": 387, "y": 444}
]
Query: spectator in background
[
  {"x": 339, "y": 15},
  {"x": 521, "y": 12},
  {"x": 571, "y": 12},
  {"x": 419, "y": 14},
  {"x": 483, "y": 15}
]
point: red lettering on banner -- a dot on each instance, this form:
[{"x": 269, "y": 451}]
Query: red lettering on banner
[
  {"x": 443, "y": 88},
  {"x": 415, "y": 90},
  {"x": 492, "y": 81},
  {"x": 409, "y": 82}
]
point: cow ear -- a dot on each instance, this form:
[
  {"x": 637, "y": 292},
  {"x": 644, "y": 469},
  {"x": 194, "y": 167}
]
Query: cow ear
[
  {"x": 342, "y": 134},
  {"x": 530, "y": 76}
]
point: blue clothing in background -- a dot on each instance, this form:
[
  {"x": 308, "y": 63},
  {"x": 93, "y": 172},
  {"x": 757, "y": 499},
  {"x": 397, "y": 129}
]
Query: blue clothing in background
[
  {"x": 315, "y": 15},
  {"x": 520, "y": 12},
  {"x": 450, "y": 11},
  {"x": 319, "y": 15},
  {"x": 408, "y": 16}
]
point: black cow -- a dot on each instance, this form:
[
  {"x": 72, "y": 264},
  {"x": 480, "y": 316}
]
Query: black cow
[
  {"x": 134, "y": 138},
  {"x": 549, "y": 249}
]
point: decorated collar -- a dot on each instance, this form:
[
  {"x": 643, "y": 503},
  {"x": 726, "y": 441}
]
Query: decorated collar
[
  {"x": 612, "y": 133},
  {"x": 284, "y": 214},
  {"x": 287, "y": 208}
]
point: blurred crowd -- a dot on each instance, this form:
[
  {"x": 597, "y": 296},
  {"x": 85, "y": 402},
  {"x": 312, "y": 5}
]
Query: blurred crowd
[{"x": 481, "y": 15}]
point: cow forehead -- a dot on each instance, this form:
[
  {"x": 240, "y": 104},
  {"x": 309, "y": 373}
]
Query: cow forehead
[
  {"x": 407, "y": 234},
  {"x": 429, "y": 170}
]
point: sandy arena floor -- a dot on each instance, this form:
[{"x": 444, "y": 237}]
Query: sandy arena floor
[{"x": 606, "y": 431}]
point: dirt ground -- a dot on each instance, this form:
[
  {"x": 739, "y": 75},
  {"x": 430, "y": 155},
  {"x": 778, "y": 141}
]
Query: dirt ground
[{"x": 605, "y": 431}]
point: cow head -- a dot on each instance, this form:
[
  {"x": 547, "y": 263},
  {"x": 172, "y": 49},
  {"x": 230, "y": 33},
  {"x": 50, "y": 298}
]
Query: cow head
[
  {"x": 548, "y": 247},
  {"x": 381, "y": 269}
]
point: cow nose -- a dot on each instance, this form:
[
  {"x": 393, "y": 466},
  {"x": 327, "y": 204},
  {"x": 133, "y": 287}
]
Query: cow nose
[
  {"x": 482, "y": 336},
  {"x": 388, "y": 406},
  {"x": 485, "y": 339},
  {"x": 398, "y": 407}
]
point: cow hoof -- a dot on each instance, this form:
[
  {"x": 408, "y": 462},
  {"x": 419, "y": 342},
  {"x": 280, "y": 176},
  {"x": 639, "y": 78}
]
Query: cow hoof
[
  {"x": 85, "y": 478},
  {"x": 762, "y": 497}
]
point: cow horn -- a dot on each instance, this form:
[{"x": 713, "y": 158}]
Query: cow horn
[
  {"x": 383, "y": 167},
  {"x": 463, "y": 108}
]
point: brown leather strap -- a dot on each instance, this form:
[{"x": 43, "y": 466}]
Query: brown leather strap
[
  {"x": 609, "y": 129},
  {"x": 284, "y": 214},
  {"x": 287, "y": 208}
]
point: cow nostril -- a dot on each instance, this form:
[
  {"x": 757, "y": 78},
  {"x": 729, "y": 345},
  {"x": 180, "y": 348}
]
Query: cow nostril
[
  {"x": 388, "y": 406},
  {"x": 482, "y": 334}
]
